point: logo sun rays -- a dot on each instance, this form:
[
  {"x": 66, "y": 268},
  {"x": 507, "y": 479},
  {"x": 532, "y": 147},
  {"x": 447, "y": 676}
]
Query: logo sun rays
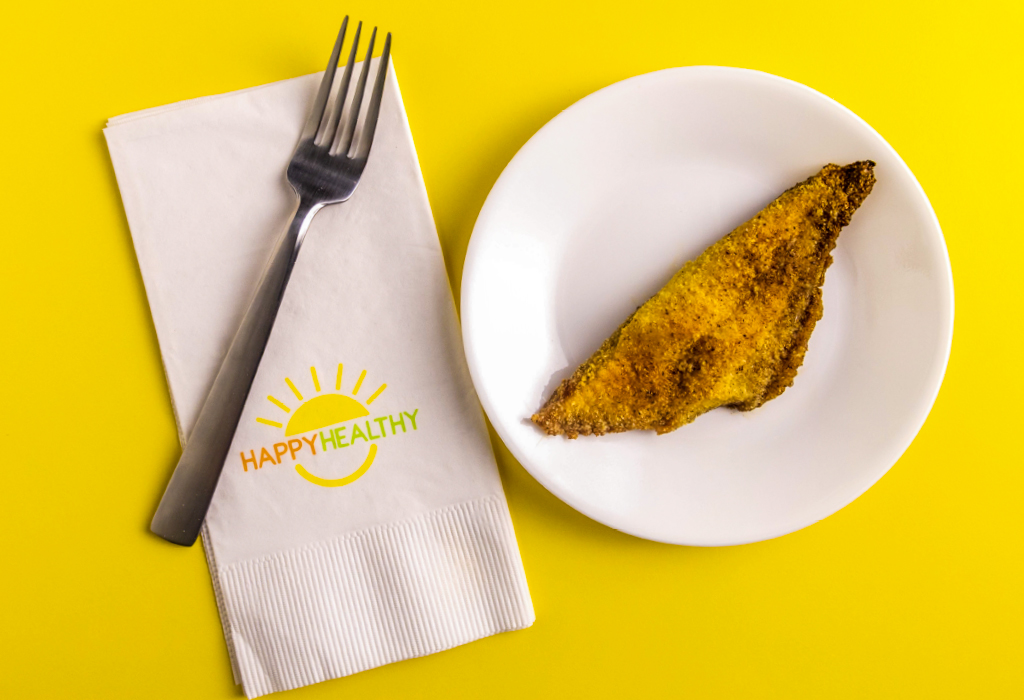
[{"x": 323, "y": 409}]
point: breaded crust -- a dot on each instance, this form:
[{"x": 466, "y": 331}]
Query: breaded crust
[{"x": 729, "y": 329}]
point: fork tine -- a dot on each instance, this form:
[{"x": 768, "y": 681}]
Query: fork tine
[
  {"x": 317, "y": 112},
  {"x": 373, "y": 111},
  {"x": 339, "y": 103},
  {"x": 344, "y": 139}
]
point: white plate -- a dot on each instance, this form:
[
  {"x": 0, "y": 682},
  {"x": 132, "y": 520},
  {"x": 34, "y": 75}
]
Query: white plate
[{"x": 597, "y": 211}]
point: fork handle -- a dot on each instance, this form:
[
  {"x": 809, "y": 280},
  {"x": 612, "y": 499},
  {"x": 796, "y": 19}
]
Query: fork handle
[{"x": 187, "y": 497}]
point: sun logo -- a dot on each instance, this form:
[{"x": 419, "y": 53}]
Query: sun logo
[{"x": 321, "y": 411}]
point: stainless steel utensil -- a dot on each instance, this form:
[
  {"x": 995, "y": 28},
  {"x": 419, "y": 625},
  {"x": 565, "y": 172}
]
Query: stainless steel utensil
[{"x": 325, "y": 170}]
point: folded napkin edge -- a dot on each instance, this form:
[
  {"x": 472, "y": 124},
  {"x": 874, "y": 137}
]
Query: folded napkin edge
[{"x": 192, "y": 101}]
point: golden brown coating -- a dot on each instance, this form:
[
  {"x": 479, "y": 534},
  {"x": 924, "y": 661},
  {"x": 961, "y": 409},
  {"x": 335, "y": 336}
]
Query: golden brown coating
[{"x": 729, "y": 329}]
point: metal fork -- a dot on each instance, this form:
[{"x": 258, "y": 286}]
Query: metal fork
[{"x": 325, "y": 169}]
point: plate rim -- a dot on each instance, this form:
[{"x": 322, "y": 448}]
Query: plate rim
[{"x": 501, "y": 183}]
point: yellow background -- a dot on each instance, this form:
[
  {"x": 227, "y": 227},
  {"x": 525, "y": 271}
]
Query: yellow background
[{"x": 914, "y": 590}]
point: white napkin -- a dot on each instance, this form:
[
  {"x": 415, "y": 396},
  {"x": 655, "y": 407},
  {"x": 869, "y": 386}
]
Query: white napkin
[{"x": 360, "y": 518}]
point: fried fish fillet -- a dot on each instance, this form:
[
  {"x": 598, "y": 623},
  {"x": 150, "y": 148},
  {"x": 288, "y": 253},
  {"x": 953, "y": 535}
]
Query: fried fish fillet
[{"x": 729, "y": 329}]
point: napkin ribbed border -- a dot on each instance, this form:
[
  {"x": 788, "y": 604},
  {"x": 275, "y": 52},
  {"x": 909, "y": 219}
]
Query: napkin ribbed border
[
  {"x": 373, "y": 597},
  {"x": 218, "y": 596}
]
